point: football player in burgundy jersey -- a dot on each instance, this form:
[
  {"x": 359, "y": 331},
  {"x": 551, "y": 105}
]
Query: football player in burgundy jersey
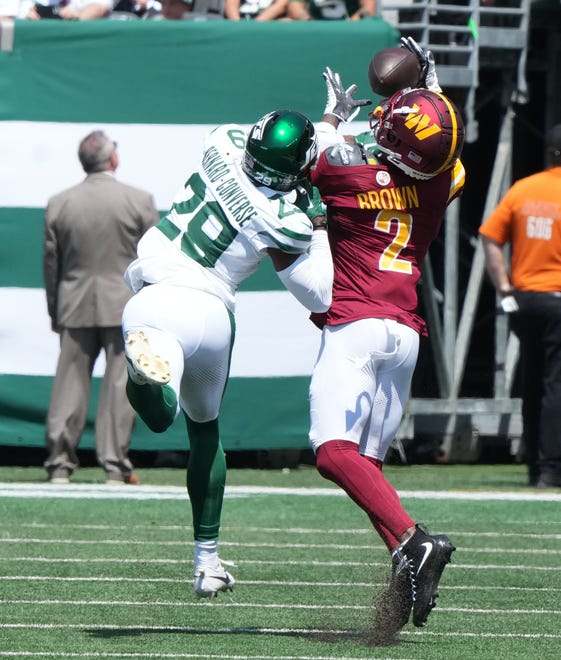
[{"x": 383, "y": 212}]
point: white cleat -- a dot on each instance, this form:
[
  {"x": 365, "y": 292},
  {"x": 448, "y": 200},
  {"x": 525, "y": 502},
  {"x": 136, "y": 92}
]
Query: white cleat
[
  {"x": 143, "y": 365},
  {"x": 209, "y": 581}
]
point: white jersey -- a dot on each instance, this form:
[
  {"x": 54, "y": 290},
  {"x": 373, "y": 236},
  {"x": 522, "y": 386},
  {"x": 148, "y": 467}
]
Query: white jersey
[{"x": 220, "y": 225}]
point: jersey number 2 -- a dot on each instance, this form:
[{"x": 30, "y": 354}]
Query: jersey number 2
[{"x": 399, "y": 225}]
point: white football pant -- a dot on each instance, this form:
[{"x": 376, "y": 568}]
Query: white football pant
[
  {"x": 361, "y": 382},
  {"x": 194, "y": 331}
]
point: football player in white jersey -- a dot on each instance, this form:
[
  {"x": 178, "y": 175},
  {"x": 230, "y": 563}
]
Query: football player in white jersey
[{"x": 247, "y": 201}]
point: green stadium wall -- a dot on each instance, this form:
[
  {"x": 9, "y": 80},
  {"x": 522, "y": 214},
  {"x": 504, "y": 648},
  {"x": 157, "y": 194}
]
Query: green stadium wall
[{"x": 157, "y": 88}]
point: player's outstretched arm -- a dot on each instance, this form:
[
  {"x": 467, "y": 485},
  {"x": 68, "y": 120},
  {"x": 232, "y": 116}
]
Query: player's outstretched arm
[
  {"x": 428, "y": 79},
  {"x": 340, "y": 107},
  {"x": 340, "y": 103}
]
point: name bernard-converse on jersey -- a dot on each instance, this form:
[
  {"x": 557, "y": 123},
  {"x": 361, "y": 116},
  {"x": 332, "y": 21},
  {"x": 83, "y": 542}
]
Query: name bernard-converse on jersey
[{"x": 231, "y": 194}]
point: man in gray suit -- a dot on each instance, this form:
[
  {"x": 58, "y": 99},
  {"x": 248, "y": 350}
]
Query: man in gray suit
[{"x": 91, "y": 233}]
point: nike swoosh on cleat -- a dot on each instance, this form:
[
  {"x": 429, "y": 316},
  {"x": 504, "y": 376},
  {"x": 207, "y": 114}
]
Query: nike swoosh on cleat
[{"x": 428, "y": 549}]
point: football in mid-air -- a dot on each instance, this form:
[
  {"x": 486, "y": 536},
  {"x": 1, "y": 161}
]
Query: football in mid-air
[{"x": 393, "y": 69}]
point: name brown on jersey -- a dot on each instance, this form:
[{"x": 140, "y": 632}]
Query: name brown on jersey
[{"x": 399, "y": 199}]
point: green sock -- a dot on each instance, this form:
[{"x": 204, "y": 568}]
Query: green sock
[
  {"x": 155, "y": 404},
  {"x": 206, "y": 478}
]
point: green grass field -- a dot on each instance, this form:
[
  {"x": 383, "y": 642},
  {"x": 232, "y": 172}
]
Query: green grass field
[{"x": 88, "y": 571}]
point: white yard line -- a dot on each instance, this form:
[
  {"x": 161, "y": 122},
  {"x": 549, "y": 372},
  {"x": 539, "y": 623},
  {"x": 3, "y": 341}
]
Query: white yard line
[
  {"x": 269, "y": 606},
  {"x": 143, "y": 492},
  {"x": 269, "y": 583},
  {"x": 272, "y": 562},
  {"x": 278, "y": 546},
  {"x": 305, "y": 531},
  {"x": 209, "y": 656}
]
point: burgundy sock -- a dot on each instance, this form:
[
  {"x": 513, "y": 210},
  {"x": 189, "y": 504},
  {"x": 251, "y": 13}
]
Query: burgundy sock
[{"x": 362, "y": 479}]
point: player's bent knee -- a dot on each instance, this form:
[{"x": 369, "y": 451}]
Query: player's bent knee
[{"x": 329, "y": 455}]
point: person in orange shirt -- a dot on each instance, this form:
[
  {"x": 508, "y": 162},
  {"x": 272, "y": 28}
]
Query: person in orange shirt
[{"x": 528, "y": 218}]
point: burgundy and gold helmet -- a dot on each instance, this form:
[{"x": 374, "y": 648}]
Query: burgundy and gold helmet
[{"x": 419, "y": 131}]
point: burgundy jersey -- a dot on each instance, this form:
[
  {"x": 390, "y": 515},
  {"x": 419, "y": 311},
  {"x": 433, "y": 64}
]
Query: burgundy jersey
[{"x": 381, "y": 224}]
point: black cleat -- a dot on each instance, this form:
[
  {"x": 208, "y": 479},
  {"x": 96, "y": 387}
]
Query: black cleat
[{"x": 426, "y": 556}]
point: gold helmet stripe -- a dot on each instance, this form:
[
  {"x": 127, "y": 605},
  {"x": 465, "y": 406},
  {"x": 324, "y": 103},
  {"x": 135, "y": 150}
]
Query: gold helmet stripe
[{"x": 454, "y": 142}]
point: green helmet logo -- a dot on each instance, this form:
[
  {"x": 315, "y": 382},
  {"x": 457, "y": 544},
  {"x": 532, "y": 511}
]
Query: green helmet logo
[{"x": 280, "y": 150}]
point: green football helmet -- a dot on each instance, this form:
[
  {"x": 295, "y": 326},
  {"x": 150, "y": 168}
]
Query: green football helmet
[{"x": 280, "y": 150}]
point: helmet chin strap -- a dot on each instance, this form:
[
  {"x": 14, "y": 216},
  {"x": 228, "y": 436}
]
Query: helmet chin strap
[
  {"x": 414, "y": 174},
  {"x": 395, "y": 159}
]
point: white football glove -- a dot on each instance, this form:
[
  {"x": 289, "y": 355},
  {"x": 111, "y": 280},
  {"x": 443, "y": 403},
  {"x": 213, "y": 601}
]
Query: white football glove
[
  {"x": 425, "y": 58},
  {"x": 508, "y": 305},
  {"x": 340, "y": 102}
]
